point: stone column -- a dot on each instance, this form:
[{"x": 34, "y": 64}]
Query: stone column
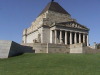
[
  {"x": 66, "y": 37},
  {"x": 79, "y": 37},
  {"x": 75, "y": 38},
  {"x": 70, "y": 37},
  {"x": 55, "y": 36},
  {"x": 51, "y": 36},
  {"x": 61, "y": 37},
  {"x": 87, "y": 40},
  {"x": 83, "y": 38}
]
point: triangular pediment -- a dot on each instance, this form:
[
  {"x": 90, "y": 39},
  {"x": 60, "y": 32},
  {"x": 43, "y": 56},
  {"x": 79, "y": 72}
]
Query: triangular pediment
[{"x": 72, "y": 24}]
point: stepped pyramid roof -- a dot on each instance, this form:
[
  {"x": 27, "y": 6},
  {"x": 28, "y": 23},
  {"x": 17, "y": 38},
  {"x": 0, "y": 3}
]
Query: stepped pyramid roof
[{"x": 54, "y": 6}]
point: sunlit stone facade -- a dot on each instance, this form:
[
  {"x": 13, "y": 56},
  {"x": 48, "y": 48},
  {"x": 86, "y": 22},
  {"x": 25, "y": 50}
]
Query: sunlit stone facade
[{"x": 54, "y": 25}]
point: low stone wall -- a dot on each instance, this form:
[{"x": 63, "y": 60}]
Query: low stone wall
[
  {"x": 10, "y": 48},
  {"x": 76, "y": 48},
  {"x": 4, "y": 48},
  {"x": 58, "y": 48},
  {"x": 90, "y": 50},
  {"x": 27, "y": 44},
  {"x": 40, "y": 48},
  {"x": 17, "y": 49},
  {"x": 50, "y": 48}
]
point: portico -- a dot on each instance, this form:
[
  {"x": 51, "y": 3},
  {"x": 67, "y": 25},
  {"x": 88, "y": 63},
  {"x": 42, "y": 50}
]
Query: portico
[{"x": 69, "y": 37}]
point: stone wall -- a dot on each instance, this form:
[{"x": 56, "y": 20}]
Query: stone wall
[
  {"x": 40, "y": 48},
  {"x": 4, "y": 48},
  {"x": 55, "y": 17},
  {"x": 27, "y": 44},
  {"x": 82, "y": 48},
  {"x": 76, "y": 48},
  {"x": 37, "y": 23},
  {"x": 90, "y": 50},
  {"x": 10, "y": 48},
  {"x": 45, "y": 35},
  {"x": 34, "y": 35},
  {"x": 42, "y": 35},
  {"x": 50, "y": 48},
  {"x": 58, "y": 48},
  {"x": 48, "y": 18}
]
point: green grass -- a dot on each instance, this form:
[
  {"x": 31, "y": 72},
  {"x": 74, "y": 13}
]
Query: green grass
[{"x": 51, "y": 64}]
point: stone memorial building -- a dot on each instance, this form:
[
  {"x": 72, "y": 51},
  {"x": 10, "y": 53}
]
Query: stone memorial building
[{"x": 54, "y": 29}]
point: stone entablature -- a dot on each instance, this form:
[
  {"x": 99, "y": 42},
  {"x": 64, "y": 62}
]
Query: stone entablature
[{"x": 71, "y": 24}]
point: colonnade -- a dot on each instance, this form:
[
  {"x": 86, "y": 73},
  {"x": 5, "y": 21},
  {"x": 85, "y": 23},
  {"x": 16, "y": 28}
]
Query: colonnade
[{"x": 68, "y": 37}]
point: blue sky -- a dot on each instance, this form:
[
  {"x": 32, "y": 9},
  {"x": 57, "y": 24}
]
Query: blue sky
[{"x": 16, "y": 15}]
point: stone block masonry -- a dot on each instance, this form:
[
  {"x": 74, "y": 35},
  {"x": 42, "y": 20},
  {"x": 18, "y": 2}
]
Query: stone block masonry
[
  {"x": 50, "y": 48},
  {"x": 4, "y": 48},
  {"x": 10, "y": 48}
]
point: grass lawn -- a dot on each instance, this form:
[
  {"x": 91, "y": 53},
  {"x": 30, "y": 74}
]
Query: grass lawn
[{"x": 51, "y": 64}]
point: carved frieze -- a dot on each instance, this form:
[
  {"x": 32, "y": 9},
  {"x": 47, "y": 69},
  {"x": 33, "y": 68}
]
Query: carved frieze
[{"x": 72, "y": 24}]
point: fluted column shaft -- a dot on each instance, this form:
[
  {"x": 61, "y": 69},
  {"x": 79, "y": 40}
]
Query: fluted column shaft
[
  {"x": 83, "y": 38},
  {"x": 87, "y": 40},
  {"x": 66, "y": 37},
  {"x": 55, "y": 36},
  {"x": 79, "y": 37},
  {"x": 70, "y": 37},
  {"x": 60, "y": 36},
  {"x": 75, "y": 38}
]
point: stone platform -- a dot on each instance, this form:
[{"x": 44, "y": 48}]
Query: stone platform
[{"x": 11, "y": 48}]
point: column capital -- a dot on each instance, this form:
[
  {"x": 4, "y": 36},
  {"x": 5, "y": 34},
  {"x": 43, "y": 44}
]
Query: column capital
[
  {"x": 85, "y": 33},
  {"x": 71, "y": 31}
]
